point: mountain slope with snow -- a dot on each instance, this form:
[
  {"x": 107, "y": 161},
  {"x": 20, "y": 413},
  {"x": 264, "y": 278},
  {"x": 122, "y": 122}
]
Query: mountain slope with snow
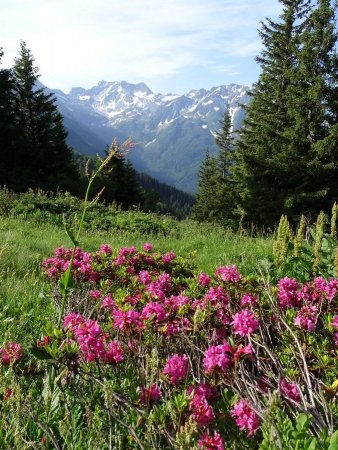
[{"x": 172, "y": 131}]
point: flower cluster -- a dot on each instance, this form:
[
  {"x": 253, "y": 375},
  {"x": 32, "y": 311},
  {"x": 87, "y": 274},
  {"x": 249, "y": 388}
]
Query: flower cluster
[
  {"x": 208, "y": 442},
  {"x": 202, "y": 411},
  {"x": 176, "y": 368},
  {"x": 289, "y": 390},
  {"x": 150, "y": 395},
  {"x": 245, "y": 416},
  {"x": 11, "y": 353},
  {"x": 92, "y": 341},
  {"x": 142, "y": 301}
]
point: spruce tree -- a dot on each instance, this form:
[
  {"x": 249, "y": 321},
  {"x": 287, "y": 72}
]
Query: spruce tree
[
  {"x": 8, "y": 127},
  {"x": 313, "y": 109},
  {"x": 207, "y": 205},
  {"x": 226, "y": 189},
  {"x": 119, "y": 183},
  {"x": 263, "y": 160},
  {"x": 43, "y": 156}
]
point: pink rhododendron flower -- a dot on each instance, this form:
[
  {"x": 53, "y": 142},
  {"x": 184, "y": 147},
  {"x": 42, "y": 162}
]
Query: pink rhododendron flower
[
  {"x": 168, "y": 257},
  {"x": 307, "y": 318},
  {"x": 176, "y": 368},
  {"x": 332, "y": 289},
  {"x": 175, "y": 302},
  {"x": 245, "y": 322},
  {"x": 289, "y": 390},
  {"x": 229, "y": 274},
  {"x": 203, "y": 279},
  {"x": 243, "y": 351},
  {"x": 108, "y": 302},
  {"x": 11, "y": 353},
  {"x": 150, "y": 395},
  {"x": 127, "y": 251},
  {"x": 334, "y": 322},
  {"x": 105, "y": 248},
  {"x": 208, "y": 442},
  {"x": 72, "y": 321},
  {"x": 335, "y": 339},
  {"x": 144, "y": 277},
  {"x": 147, "y": 247},
  {"x": 245, "y": 417},
  {"x": 90, "y": 338},
  {"x": 217, "y": 295},
  {"x": 202, "y": 390},
  {"x": 127, "y": 320},
  {"x": 95, "y": 294},
  {"x": 156, "y": 310},
  {"x": 202, "y": 412},
  {"x": 113, "y": 353},
  {"x": 287, "y": 294},
  {"x": 248, "y": 300},
  {"x": 223, "y": 317},
  {"x": 218, "y": 357}
]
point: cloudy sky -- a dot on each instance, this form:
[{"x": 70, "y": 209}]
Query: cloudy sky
[{"x": 172, "y": 45}]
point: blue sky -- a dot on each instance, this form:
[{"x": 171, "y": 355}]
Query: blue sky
[{"x": 171, "y": 45}]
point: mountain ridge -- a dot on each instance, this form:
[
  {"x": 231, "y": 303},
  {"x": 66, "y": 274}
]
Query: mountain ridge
[{"x": 173, "y": 130}]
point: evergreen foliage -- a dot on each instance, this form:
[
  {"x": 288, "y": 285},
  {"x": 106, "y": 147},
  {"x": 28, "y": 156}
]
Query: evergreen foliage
[
  {"x": 160, "y": 197},
  {"x": 42, "y": 156},
  {"x": 207, "y": 206},
  {"x": 118, "y": 182},
  {"x": 287, "y": 158},
  {"x": 216, "y": 193},
  {"x": 8, "y": 128}
]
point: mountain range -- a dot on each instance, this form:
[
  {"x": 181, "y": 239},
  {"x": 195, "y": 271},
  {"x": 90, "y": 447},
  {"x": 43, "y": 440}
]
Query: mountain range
[{"x": 172, "y": 131}]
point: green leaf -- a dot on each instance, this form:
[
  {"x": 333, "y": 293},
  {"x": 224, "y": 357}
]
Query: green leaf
[
  {"x": 69, "y": 232},
  {"x": 303, "y": 422},
  {"x": 334, "y": 441},
  {"x": 40, "y": 353}
]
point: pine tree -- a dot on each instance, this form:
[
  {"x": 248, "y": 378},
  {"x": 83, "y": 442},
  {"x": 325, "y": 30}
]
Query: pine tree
[
  {"x": 263, "y": 157},
  {"x": 8, "y": 129},
  {"x": 42, "y": 156},
  {"x": 119, "y": 183},
  {"x": 224, "y": 141},
  {"x": 207, "y": 205},
  {"x": 313, "y": 108},
  {"x": 226, "y": 188}
]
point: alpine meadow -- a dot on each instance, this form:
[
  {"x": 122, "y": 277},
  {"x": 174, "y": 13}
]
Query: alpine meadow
[{"x": 169, "y": 262}]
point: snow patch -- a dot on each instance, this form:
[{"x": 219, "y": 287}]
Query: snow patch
[{"x": 149, "y": 143}]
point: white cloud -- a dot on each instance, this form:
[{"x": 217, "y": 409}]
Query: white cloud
[{"x": 78, "y": 42}]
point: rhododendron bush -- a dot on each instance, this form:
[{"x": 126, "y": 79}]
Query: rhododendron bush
[{"x": 152, "y": 354}]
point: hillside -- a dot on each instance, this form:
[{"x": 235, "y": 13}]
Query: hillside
[{"x": 172, "y": 131}]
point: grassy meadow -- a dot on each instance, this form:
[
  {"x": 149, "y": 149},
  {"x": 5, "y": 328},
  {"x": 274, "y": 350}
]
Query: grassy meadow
[
  {"x": 205, "y": 339},
  {"x": 25, "y": 242}
]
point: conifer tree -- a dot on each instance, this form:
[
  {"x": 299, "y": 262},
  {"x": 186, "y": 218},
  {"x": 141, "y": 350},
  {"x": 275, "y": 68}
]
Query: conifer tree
[
  {"x": 263, "y": 159},
  {"x": 119, "y": 183},
  {"x": 313, "y": 109},
  {"x": 224, "y": 141},
  {"x": 8, "y": 129},
  {"x": 225, "y": 159},
  {"x": 42, "y": 155},
  {"x": 207, "y": 205}
]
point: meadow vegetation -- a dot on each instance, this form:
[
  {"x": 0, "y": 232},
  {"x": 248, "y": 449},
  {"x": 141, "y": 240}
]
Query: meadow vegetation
[{"x": 164, "y": 334}]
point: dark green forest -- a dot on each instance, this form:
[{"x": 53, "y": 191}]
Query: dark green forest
[
  {"x": 35, "y": 154},
  {"x": 283, "y": 160}
]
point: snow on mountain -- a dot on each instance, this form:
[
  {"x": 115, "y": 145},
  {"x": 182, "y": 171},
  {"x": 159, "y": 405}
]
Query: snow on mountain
[{"x": 173, "y": 131}]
